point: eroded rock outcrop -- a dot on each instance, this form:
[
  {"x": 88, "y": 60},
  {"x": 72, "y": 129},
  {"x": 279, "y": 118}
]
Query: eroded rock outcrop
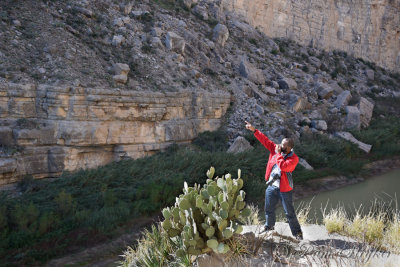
[
  {"x": 49, "y": 129},
  {"x": 367, "y": 29}
]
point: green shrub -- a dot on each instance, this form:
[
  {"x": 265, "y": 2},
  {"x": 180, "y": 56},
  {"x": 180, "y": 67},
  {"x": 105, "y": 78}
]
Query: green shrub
[
  {"x": 47, "y": 221},
  {"x": 108, "y": 217},
  {"x": 253, "y": 41},
  {"x": 3, "y": 219},
  {"x": 148, "y": 49},
  {"x": 132, "y": 188},
  {"x": 25, "y": 217},
  {"x": 383, "y": 135},
  {"x": 212, "y": 141},
  {"x": 65, "y": 203},
  {"x": 109, "y": 198},
  {"x": 322, "y": 152}
]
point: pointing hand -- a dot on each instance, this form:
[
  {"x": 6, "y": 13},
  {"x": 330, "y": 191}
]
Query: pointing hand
[{"x": 249, "y": 126}]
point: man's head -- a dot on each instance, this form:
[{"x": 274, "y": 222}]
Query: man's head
[{"x": 287, "y": 144}]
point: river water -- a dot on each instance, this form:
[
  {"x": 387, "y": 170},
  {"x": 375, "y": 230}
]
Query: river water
[{"x": 384, "y": 187}]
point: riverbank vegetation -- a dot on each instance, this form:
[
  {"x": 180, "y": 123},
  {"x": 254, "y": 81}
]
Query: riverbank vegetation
[
  {"x": 50, "y": 218},
  {"x": 379, "y": 226}
]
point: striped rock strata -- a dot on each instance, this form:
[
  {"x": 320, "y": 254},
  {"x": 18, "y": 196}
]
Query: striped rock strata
[
  {"x": 365, "y": 28},
  {"x": 45, "y": 130}
]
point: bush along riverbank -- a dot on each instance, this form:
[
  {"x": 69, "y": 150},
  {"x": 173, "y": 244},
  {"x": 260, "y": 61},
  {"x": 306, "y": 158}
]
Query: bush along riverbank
[{"x": 51, "y": 218}]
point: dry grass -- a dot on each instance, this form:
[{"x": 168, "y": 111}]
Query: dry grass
[
  {"x": 253, "y": 218},
  {"x": 303, "y": 211},
  {"x": 380, "y": 227},
  {"x": 156, "y": 249},
  {"x": 334, "y": 219},
  {"x": 391, "y": 236}
]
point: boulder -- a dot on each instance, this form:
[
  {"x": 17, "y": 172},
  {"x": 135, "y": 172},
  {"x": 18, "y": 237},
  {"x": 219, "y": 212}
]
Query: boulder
[
  {"x": 139, "y": 13},
  {"x": 201, "y": 11},
  {"x": 343, "y": 99},
  {"x": 275, "y": 84},
  {"x": 239, "y": 145},
  {"x": 270, "y": 90},
  {"x": 121, "y": 73},
  {"x": 248, "y": 89},
  {"x": 204, "y": 60},
  {"x": 305, "y": 164},
  {"x": 175, "y": 42},
  {"x": 259, "y": 95},
  {"x": 220, "y": 34},
  {"x": 370, "y": 74},
  {"x": 189, "y": 3},
  {"x": 287, "y": 83},
  {"x": 320, "y": 125},
  {"x": 156, "y": 42},
  {"x": 126, "y": 8},
  {"x": 366, "y": 108},
  {"x": 349, "y": 137},
  {"x": 84, "y": 11},
  {"x": 315, "y": 61},
  {"x": 250, "y": 72},
  {"x": 216, "y": 12},
  {"x": 156, "y": 32},
  {"x": 259, "y": 109},
  {"x": 324, "y": 91},
  {"x": 315, "y": 115},
  {"x": 118, "y": 22},
  {"x": 305, "y": 130},
  {"x": 352, "y": 120},
  {"x": 336, "y": 87},
  {"x": 117, "y": 40},
  {"x": 291, "y": 99},
  {"x": 16, "y": 23},
  {"x": 301, "y": 104},
  {"x": 120, "y": 78},
  {"x": 121, "y": 68},
  {"x": 273, "y": 46}
]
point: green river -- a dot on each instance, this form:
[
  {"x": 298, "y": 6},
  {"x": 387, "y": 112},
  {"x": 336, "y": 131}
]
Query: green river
[{"x": 384, "y": 187}]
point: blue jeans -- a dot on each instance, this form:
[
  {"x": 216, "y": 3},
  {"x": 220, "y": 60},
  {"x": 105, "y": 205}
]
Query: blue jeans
[{"x": 272, "y": 196}]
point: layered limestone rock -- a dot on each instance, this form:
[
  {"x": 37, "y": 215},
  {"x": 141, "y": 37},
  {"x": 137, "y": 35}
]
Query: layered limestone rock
[
  {"x": 365, "y": 28},
  {"x": 45, "y": 129}
]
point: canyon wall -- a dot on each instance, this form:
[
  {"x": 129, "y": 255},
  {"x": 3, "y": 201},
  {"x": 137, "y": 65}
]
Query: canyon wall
[
  {"x": 45, "y": 130},
  {"x": 369, "y": 29}
]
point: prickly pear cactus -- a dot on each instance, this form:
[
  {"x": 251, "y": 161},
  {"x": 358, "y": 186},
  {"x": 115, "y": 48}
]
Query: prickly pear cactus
[{"x": 205, "y": 217}]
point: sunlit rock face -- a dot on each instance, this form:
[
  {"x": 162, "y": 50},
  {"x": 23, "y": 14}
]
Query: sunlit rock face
[
  {"x": 364, "y": 28},
  {"x": 45, "y": 130}
]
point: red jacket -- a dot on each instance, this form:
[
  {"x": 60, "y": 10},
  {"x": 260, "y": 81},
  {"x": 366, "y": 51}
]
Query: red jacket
[{"x": 287, "y": 165}]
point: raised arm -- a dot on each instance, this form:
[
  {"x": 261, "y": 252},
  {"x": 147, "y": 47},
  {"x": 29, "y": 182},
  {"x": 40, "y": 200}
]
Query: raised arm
[
  {"x": 261, "y": 137},
  {"x": 265, "y": 141}
]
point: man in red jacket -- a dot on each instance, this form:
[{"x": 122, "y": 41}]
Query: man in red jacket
[{"x": 282, "y": 161}]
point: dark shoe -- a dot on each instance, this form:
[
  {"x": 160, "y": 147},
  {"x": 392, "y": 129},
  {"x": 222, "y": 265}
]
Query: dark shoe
[
  {"x": 299, "y": 236},
  {"x": 266, "y": 229}
]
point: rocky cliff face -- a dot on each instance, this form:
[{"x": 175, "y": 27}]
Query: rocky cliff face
[
  {"x": 45, "y": 129},
  {"x": 164, "y": 56},
  {"x": 364, "y": 28}
]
